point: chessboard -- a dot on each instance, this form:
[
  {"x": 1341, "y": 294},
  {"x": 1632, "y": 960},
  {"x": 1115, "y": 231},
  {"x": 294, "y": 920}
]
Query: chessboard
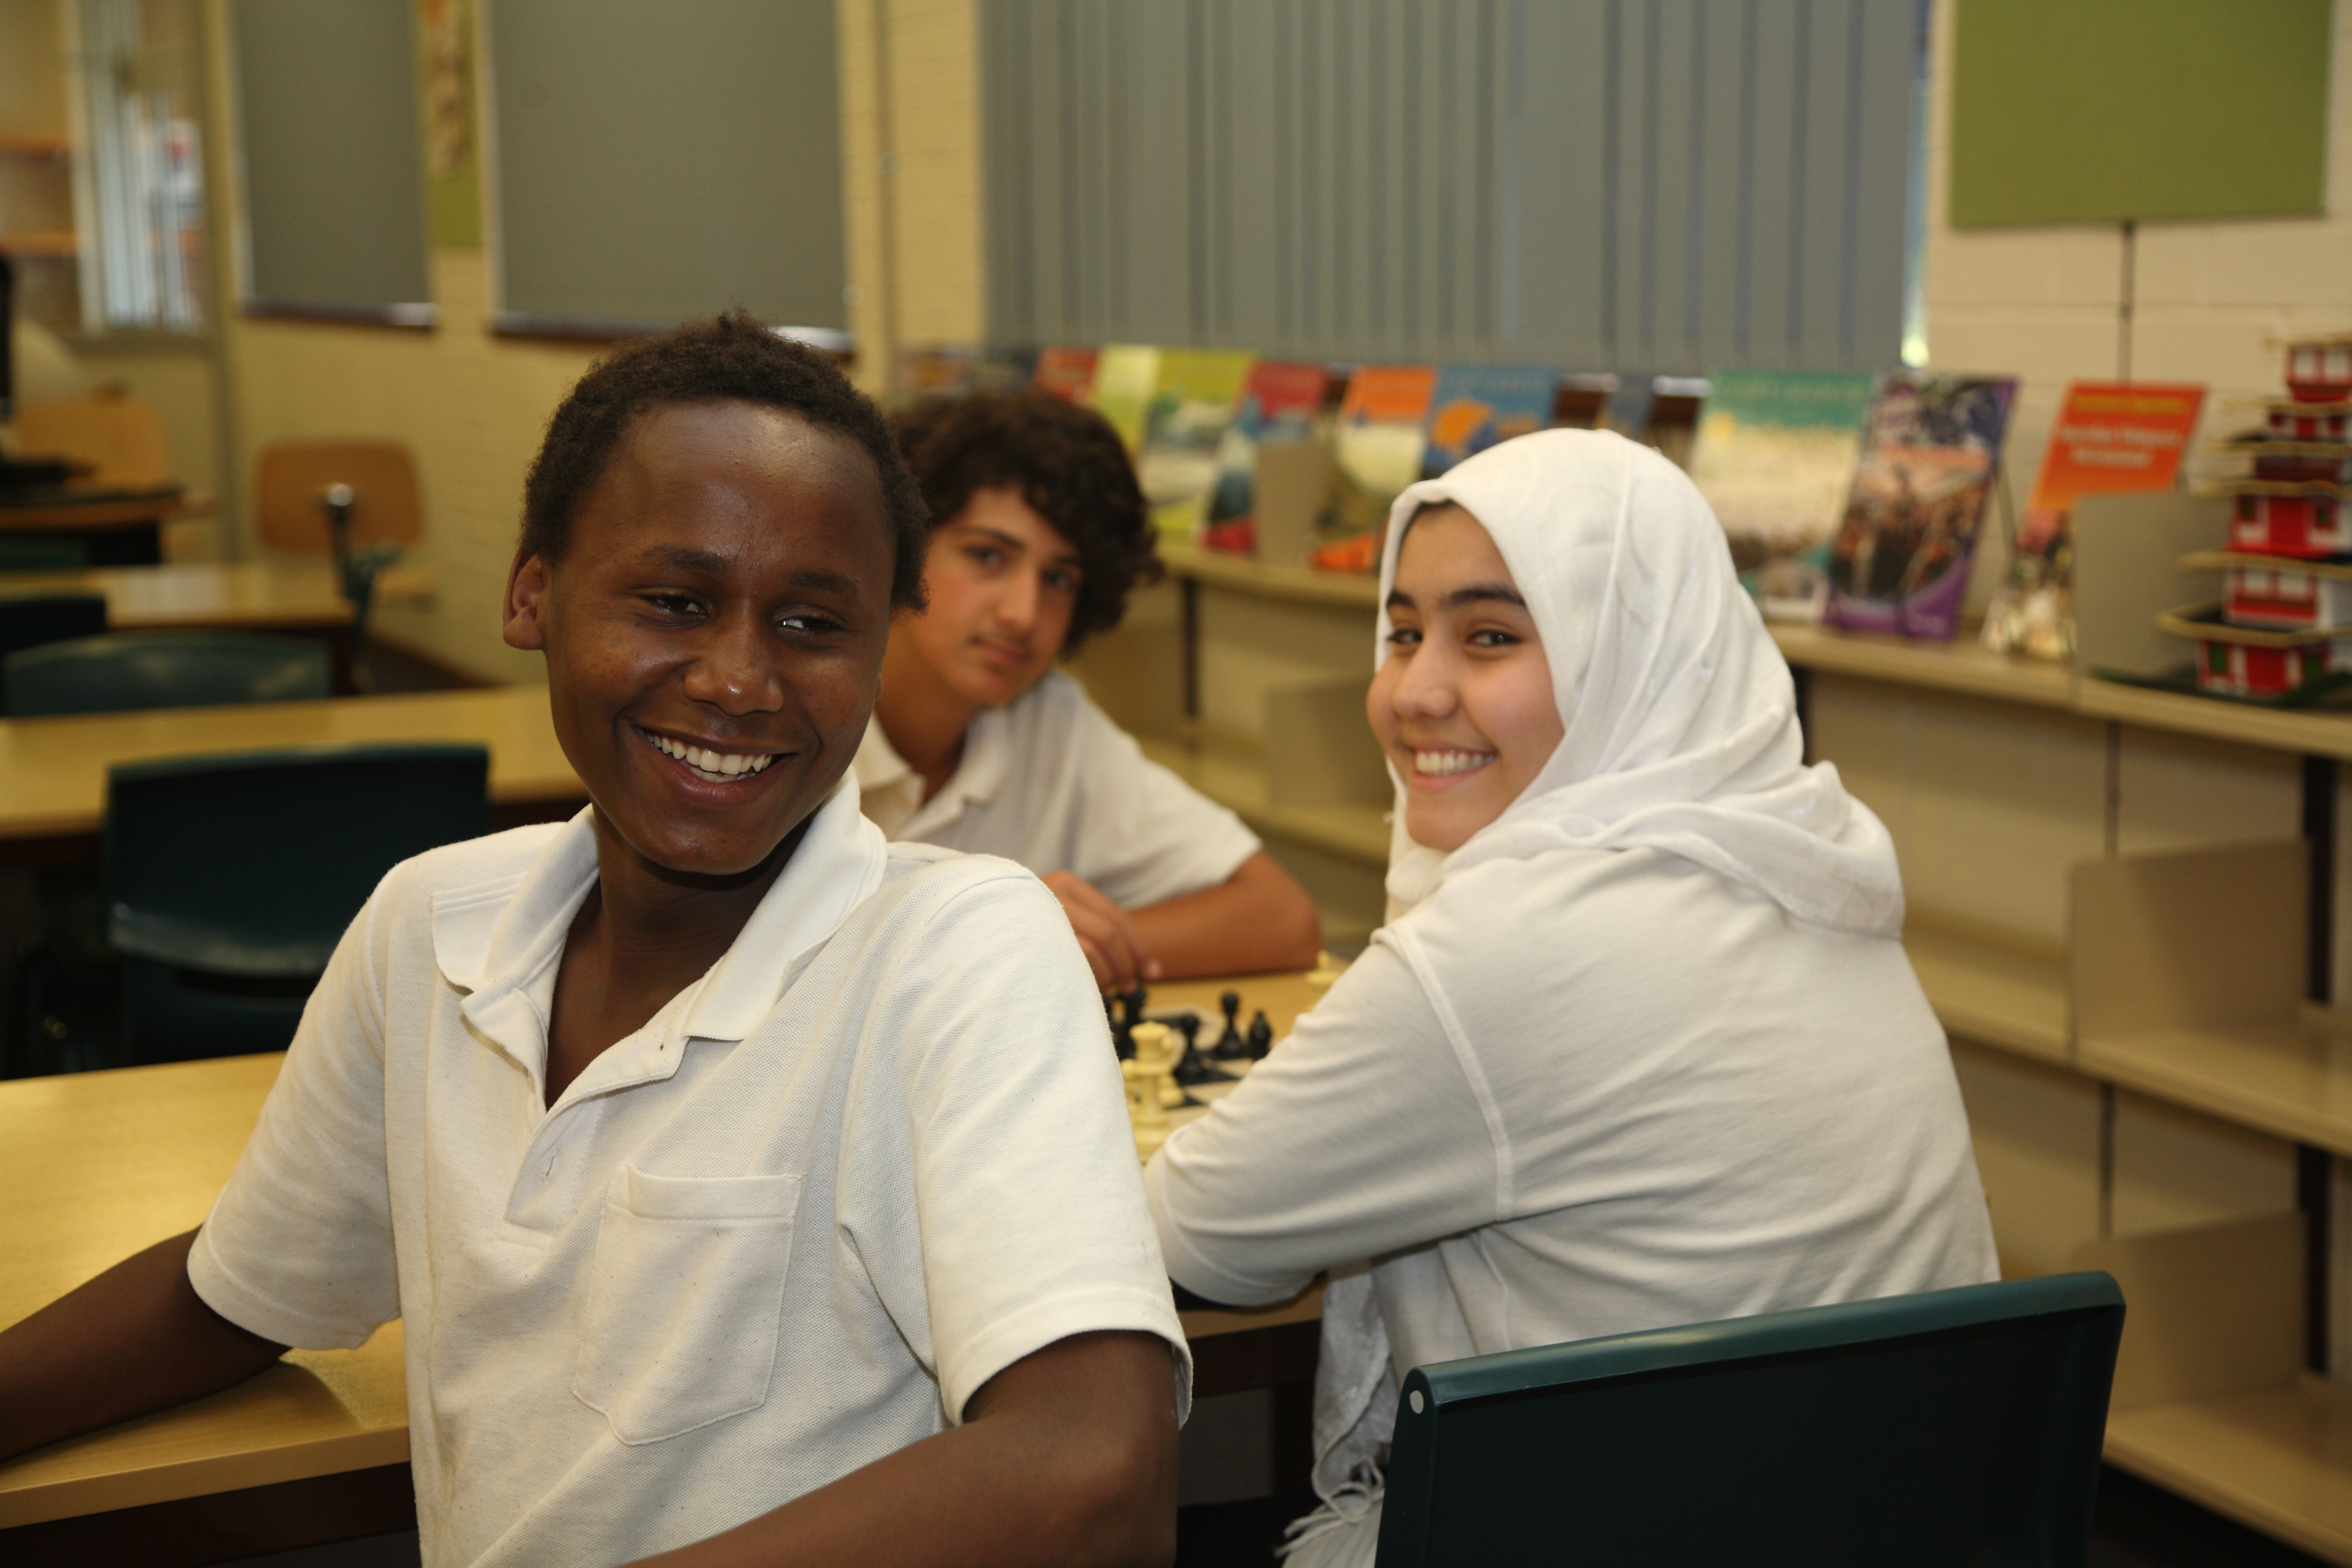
[{"x": 1260, "y": 1009}]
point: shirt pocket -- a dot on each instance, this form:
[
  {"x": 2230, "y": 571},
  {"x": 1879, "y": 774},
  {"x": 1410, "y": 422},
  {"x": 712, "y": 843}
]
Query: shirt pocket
[{"x": 684, "y": 1302}]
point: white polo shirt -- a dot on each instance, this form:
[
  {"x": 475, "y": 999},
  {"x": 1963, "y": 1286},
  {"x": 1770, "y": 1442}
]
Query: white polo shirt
[
  {"x": 876, "y": 1154},
  {"x": 1050, "y": 782}
]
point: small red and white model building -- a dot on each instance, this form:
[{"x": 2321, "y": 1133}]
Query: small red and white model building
[
  {"x": 2247, "y": 661},
  {"x": 2279, "y": 595},
  {"x": 2284, "y": 627},
  {"x": 2319, "y": 370},
  {"x": 2272, "y": 517}
]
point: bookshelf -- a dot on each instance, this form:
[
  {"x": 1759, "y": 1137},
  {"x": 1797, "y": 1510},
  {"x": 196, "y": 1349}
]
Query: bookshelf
[{"x": 2160, "y": 960}]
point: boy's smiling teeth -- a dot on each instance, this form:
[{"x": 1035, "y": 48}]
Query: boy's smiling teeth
[
  {"x": 708, "y": 763},
  {"x": 1449, "y": 762}
]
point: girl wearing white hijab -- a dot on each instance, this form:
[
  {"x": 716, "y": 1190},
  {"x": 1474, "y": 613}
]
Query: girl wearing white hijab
[{"x": 1639, "y": 1045}]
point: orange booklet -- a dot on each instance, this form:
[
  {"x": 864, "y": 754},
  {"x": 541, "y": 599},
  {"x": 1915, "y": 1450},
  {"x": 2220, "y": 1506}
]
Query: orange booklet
[{"x": 2109, "y": 436}]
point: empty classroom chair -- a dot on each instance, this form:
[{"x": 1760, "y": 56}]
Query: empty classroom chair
[
  {"x": 230, "y": 878},
  {"x": 34, "y": 620},
  {"x": 1950, "y": 1429},
  {"x": 36, "y": 553},
  {"x": 164, "y": 669}
]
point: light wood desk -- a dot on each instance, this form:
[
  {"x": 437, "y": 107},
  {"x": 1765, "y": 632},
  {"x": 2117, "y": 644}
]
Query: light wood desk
[
  {"x": 53, "y": 771},
  {"x": 95, "y": 1166},
  {"x": 241, "y": 596},
  {"x": 116, "y": 529}
]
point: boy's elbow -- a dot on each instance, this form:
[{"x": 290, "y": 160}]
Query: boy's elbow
[{"x": 1122, "y": 1486}]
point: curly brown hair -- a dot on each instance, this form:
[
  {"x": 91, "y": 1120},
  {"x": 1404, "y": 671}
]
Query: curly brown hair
[
  {"x": 730, "y": 357},
  {"x": 1068, "y": 463}
]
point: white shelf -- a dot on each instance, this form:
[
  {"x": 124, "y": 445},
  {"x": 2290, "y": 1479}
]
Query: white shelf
[
  {"x": 2288, "y": 1076},
  {"x": 1993, "y": 992},
  {"x": 2279, "y": 1459},
  {"x": 1237, "y": 781},
  {"x": 1968, "y": 668}
]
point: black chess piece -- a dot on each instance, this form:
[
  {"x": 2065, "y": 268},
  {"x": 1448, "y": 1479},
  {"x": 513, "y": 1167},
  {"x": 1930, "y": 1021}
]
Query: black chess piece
[
  {"x": 1261, "y": 1036},
  {"x": 1122, "y": 1037},
  {"x": 1230, "y": 1046},
  {"x": 1192, "y": 1064},
  {"x": 1130, "y": 1009}
]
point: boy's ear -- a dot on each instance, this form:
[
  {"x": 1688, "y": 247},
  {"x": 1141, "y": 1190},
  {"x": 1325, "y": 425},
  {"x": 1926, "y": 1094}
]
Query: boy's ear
[{"x": 525, "y": 622}]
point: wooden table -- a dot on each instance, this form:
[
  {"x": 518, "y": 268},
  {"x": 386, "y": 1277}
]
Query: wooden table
[
  {"x": 116, "y": 529},
  {"x": 240, "y": 596},
  {"x": 53, "y": 771},
  {"x": 95, "y": 1166}
]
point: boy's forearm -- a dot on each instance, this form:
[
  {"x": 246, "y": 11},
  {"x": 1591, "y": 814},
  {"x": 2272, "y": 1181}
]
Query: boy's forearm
[
  {"x": 135, "y": 1338},
  {"x": 1077, "y": 1470},
  {"x": 1257, "y": 920}
]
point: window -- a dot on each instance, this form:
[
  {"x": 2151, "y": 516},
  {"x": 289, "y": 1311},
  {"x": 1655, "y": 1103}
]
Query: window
[{"x": 138, "y": 64}]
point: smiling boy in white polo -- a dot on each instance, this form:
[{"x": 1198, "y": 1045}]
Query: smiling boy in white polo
[{"x": 750, "y": 1191}]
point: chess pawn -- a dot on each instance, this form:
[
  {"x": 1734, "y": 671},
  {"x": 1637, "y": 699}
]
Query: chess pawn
[
  {"x": 1261, "y": 1036},
  {"x": 1327, "y": 969},
  {"x": 1155, "y": 1053},
  {"x": 1146, "y": 1116},
  {"x": 1230, "y": 1046}
]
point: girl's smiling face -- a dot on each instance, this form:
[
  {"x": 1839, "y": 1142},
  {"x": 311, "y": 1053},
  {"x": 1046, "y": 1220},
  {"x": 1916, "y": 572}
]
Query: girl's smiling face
[{"x": 1463, "y": 703}]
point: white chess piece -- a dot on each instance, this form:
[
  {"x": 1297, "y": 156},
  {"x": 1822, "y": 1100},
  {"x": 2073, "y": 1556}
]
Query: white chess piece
[
  {"x": 1144, "y": 1112},
  {"x": 1155, "y": 1053}
]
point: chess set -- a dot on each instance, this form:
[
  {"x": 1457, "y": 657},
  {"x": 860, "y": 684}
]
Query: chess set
[{"x": 1160, "y": 1073}]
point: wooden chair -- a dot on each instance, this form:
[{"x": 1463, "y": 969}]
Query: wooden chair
[
  {"x": 118, "y": 438},
  {"x": 292, "y": 474},
  {"x": 374, "y": 484}
]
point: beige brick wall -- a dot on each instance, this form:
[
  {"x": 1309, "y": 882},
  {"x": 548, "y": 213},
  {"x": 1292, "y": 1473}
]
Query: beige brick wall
[{"x": 2043, "y": 303}]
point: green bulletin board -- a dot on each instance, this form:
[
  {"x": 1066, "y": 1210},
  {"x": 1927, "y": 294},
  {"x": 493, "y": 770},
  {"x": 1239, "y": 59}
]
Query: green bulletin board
[{"x": 2102, "y": 110}]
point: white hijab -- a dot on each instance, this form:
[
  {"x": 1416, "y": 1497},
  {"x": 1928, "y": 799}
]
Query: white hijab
[{"x": 1680, "y": 715}]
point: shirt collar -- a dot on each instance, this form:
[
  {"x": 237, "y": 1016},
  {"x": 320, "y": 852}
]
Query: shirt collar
[
  {"x": 987, "y": 753},
  {"x": 496, "y": 940}
]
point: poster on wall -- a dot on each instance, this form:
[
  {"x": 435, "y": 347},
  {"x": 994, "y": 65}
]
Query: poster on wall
[
  {"x": 1930, "y": 456},
  {"x": 453, "y": 185}
]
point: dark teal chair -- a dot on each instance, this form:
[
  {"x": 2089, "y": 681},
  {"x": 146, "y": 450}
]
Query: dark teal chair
[
  {"x": 31, "y": 620},
  {"x": 1956, "y": 1429},
  {"x": 164, "y": 669},
  {"x": 20, "y": 553},
  {"x": 230, "y": 878}
]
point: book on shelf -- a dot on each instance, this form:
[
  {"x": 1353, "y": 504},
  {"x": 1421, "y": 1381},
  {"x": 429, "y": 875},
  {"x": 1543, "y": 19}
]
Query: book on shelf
[
  {"x": 1473, "y": 406},
  {"x": 1377, "y": 448},
  {"x": 1280, "y": 404},
  {"x": 1194, "y": 393},
  {"x": 1127, "y": 378},
  {"x": 1774, "y": 454},
  {"x": 948, "y": 370},
  {"x": 2110, "y": 437},
  {"x": 1930, "y": 455},
  {"x": 1067, "y": 373}
]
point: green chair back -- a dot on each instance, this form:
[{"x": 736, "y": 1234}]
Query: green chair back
[
  {"x": 31, "y": 620},
  {"x": 164, "y": 669},
  {"x": 1955, "y": 1429},
  {"x": 229, "y": 879},
  {"x": 21, "y": 553}
]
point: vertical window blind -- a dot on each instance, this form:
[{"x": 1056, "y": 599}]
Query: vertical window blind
[{"x": 1609, "y": 184}]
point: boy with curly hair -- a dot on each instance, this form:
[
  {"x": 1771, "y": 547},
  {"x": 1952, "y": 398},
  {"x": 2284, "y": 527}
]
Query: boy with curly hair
[{"x": 1038, "y": 532}]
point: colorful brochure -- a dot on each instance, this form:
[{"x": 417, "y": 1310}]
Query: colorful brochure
[
  {"x": 1477, "y": 406},
  {"x": 1774, "y": 455},
  {"x": 1930, "y": 455}
]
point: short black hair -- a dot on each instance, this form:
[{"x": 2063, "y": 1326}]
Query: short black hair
[
  {"x": 1068, "y": 463},
  {"x": 731, "y": 357}
]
